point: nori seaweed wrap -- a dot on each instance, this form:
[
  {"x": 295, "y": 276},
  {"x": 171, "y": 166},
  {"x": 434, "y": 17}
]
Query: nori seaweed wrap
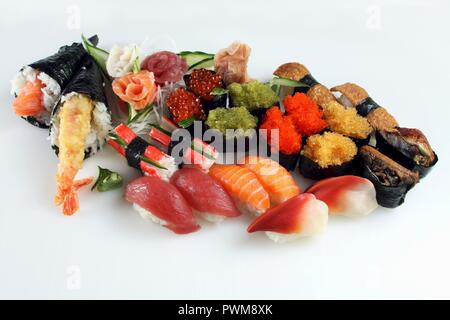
[
  {"x": 87, "y": 82},
  {"x": 392, "y": 181},
  {"x": 55, "y": 73},
  {"x": 409, "y": 147}
]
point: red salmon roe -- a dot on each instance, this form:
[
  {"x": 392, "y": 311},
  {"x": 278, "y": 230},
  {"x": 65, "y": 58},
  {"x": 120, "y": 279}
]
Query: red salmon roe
[
  {"x": 290, "y": 141},
  {"x": 184, "y": 105},
  {"x": 203, "y": 81},
  {"x": 305, "y": 114}
]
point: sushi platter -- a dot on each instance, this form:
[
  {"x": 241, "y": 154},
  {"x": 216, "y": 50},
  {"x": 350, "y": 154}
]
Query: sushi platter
[{"x": 212, "y": 143}]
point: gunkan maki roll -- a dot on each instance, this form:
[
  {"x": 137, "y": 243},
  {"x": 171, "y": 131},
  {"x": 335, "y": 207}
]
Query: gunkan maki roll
[
  {"x": 202, "y": 83},
  {"x": 81, "y": 111},
  {"x": 38, "y": 85},
  {"x": 348, "y": 122},
  {"x": 328, "y": 155},
  {"x": 392, "y": 181},
  {"x": 352, "y": 95},
  {"x": 409, "y": 147}
]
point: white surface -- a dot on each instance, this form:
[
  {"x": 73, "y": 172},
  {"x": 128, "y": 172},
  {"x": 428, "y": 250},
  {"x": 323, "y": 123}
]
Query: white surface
[{"x": 398, "y": 50}]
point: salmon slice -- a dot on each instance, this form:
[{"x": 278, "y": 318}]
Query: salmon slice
[
  {"x": 277, "y": 181},
  {"x": 243, "y": 185},
  {"x": 30, "y": 100}
]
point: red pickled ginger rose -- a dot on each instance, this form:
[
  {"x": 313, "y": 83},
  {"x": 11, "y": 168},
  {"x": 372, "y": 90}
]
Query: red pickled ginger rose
[{"x": 166, "y": 66}]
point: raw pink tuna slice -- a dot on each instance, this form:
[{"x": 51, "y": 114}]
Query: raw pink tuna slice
[
  {"x": 204, "y": 194},
  {"x": 166, "y": 66},
  {"x": 163, "y": 203}
]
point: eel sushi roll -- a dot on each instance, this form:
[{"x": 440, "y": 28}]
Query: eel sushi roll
[
  {"x": 83, "y": 95},
  {"x": 392, "y": 181},
  {"x": 232, "y": 129},
  {"x": 202, "y": 83},
  {"x": 298, "y": 72},
  {"x": 328, "y": 155},
  {"x": 409, "y": 147},
  {"x": 281, "y": 137},
  {"x": 348, "y": 122},
  {"x": 352, "y": 95},
  {"x": 38, "y": 86}
]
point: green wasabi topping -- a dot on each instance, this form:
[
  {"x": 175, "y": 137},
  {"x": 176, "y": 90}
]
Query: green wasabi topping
[
  {"x": 252, "y": 95},
  {"x": 222, "y": 119}
]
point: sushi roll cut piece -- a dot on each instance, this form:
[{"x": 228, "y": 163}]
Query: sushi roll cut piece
[
  {"x": 141, "y": 155},
  {"x": 298, "y": 72},
  {"x": 352, "y": 95},
  {"x": 200, "y": 155},
  {"x": 328, "y": 155},
  {"x": 346, "y": 121},
  {"x": 203, "y": 82},
  {"x": 392, "y": 181},
  {"x": 349, "y": 196},
  {"x": 162, "y": 203},
  {"x": 87, "y": 85},
  {"x": 282, "y": 137},
  {"x": 278, "y": 182},
  {"x": 38, "y": 86},
  {"x": 207, "y": 197},
  {"x": 243, "y": 185},
  {"x": 185, "y": 107},
  {"x": 409, "y": 147},
  {"x": 301, "y": 216},
  {"x": 79, "y": 128},
  {"x": 235, "y": 128}
]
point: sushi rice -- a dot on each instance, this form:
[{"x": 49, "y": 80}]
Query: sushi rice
[
  {"x": 51, "y": 91},
  {"x": 147, "y": 215},
  {"x": 100, "y": 127}
]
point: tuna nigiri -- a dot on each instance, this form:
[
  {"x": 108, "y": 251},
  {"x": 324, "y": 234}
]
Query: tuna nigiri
[
  {"x": 243, "y": 185},
  {"x": 161, "y": 202},
  {"x": 206, "y": 196},
  {"x": 277, "y": 181},
  {"x": 349, "y": 196},
  {"x": 301, "y": 216}
]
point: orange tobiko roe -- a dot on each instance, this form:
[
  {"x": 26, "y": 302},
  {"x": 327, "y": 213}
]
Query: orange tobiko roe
[
  {"x": 289, "y": 140},
  {"x": 305, "y": 114}
]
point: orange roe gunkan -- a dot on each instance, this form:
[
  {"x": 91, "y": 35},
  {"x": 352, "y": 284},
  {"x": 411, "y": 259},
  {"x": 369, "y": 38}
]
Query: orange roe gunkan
[
  {"x": 304, "y": 114},
  {"x": 289, "y": 139}
]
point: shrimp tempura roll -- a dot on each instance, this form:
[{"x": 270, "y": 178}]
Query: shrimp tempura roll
[{"x": 79, "y": 127}]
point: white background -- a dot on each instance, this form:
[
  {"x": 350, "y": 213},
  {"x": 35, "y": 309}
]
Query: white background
[{"x": 398, "y": 50}]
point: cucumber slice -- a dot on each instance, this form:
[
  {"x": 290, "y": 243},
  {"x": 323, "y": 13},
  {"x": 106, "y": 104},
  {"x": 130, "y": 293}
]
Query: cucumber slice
[
  {"x": 287, "y": 83},
  {"x": 99, "y": 55},
  {"x": 197, "y": 59}
]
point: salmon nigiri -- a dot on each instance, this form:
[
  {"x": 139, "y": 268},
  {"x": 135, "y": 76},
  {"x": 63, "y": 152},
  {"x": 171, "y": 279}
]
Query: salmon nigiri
[
  {"x": 277, "y": 181},
  {"x": 243, "y": 185}
]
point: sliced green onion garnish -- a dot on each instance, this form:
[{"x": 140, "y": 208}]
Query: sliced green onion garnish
[
  {"x": 153, "y": 162},
  {"x": 107, "y": 180},
  {"x": 161, "y": 129},
  {"x": 218, "y": 91},
  {"x": 136, "y": 65},
  {"x": 202, "y": 152},
  {"x": 186, "y": 123},
  {"x": 134, "y": 115},
  {"x": 119, "y": 140}
]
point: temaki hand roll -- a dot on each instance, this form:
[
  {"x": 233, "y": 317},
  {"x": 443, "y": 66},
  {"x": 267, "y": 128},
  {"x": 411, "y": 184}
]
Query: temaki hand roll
[
  {"x": 328, "y": 155},
  {"x": 298, "y": 72},
  {"x": 409, "y": 147},
  {"x": 38, "y": 85},
  {"x": 79, "y": 127},
  {"x": 392, "y": 181},
  {"x": 352, "y": 95}
]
